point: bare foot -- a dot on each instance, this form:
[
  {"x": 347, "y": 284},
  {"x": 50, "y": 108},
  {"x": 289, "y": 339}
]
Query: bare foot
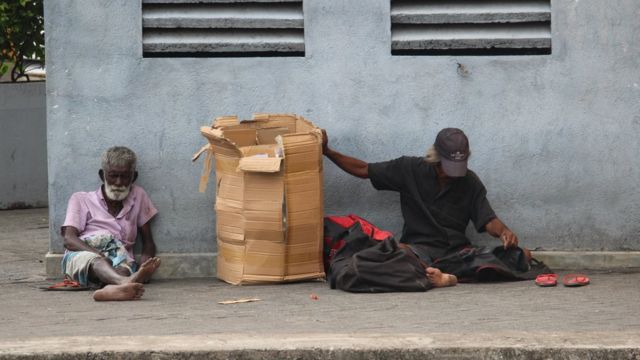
[
  {"x": 123, "y": 292},
  {"x": 156, "y": 265},
  {"x": 146, "y": 270},
  {"x": 440, "y": 279}
]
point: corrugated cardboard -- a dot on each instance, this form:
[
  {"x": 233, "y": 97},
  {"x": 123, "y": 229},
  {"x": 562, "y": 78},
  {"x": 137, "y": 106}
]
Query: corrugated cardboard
[{"x": 269, "y": 197}]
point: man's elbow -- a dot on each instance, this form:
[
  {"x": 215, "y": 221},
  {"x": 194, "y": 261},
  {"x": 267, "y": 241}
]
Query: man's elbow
[
  {"x": 67, "y": 243},
  {"x": 363, "y": 172}
]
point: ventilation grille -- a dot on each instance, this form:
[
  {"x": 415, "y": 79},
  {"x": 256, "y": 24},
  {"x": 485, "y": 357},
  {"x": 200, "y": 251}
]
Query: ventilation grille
[
  {"x": 470, "y": 27},
  {"x": 229, "y": 28}
]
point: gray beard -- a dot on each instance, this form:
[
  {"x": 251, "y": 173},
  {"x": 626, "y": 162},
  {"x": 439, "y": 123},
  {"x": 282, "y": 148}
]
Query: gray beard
[{"x": 116, "y": 193}]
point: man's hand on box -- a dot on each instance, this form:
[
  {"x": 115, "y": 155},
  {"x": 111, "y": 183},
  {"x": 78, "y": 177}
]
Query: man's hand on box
[
  {"x": 325, "y": 142},
  {"x": 351, "y": 165}
]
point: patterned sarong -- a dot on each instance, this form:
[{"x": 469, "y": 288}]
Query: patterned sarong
[{"x": 76, "y": 264}]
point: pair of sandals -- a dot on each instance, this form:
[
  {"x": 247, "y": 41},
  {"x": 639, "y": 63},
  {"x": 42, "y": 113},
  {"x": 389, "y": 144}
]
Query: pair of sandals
[{"x": 569, "y": 280}]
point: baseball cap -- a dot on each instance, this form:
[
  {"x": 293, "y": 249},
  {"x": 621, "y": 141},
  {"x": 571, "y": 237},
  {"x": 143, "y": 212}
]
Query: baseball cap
[{"x": 453, "y": 147}]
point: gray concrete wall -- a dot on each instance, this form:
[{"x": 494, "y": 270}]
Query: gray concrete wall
[
  {"x": 554, "y": 138},
  {"x": 23, "y": 146}
]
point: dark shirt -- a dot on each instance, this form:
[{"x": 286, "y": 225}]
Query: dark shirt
[{"x": 434, "y": 221}]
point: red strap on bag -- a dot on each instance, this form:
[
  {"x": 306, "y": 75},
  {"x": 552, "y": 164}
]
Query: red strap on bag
[{"x": 336, "y": 225}]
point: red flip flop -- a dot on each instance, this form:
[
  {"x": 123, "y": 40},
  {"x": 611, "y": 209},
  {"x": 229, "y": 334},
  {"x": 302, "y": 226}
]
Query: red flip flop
[
  {"x": 547, "y": 280},
  {"x": 66, "y": 285},
  {"x": 573, "y": 280}
]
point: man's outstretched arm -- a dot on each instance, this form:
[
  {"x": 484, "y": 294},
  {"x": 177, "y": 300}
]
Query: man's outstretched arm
[
  {"x": 353, "y": 166},
  {"x": 498, "y": 229}
]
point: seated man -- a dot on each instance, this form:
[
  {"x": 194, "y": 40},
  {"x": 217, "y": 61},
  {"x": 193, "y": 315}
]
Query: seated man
[
  {"x": 101, "y": 228},
  {"x": 438, "y": 198}
]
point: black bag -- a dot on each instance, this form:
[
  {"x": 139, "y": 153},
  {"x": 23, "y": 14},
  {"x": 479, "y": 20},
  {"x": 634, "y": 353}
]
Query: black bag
[
  {"x": 367, "y": 265},
  {"x": 491, "y": 264},
  {"x": 336, "y": 228}
]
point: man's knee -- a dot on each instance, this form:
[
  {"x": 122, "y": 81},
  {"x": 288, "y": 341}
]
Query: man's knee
[
  {"x": 77, "y": 265},
  {"x": 123, "y": 271},
  {"x": 100, "y": 261}
]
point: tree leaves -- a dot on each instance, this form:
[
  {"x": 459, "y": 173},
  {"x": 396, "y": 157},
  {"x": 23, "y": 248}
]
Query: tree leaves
[{"x": 21, "y": 35}]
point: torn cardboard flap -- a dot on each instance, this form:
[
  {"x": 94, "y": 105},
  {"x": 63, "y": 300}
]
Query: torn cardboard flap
[
  {"x": 222, "y": 121},
  {"x": 269, "y": 135},
  {"x": 218, "y": 143},
  {"x": 212, "y": 133},
  {"x": 241, "y": 136},
  {"x": 270, "y": 150},
  {"x": 257, "y": 164},
  {"x": 289, "y": 121},
  {"x": 199, "y": 152}
]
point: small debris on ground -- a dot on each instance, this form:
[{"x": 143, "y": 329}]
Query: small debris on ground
[
  {"x": 313, "y": 296},
  {"x": 238, "y": 301}
]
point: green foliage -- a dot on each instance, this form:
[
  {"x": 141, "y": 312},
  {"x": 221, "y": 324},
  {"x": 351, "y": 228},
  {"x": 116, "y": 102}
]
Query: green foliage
[{"x": 21, "y": 35}]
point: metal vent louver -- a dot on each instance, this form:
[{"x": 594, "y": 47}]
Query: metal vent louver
[
  {"x": 222, "y": 28},
  {"x": 470, "y": 27}
]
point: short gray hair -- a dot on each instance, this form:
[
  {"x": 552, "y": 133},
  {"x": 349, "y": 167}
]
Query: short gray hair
[
  {"x": 432, "y": 157},
  {"x": 119, "y": 156}
]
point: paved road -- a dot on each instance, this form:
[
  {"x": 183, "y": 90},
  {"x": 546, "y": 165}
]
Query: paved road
[{"x": 185, "y": 309}]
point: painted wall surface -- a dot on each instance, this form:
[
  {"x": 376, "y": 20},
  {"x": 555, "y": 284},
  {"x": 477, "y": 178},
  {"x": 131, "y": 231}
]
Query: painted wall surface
[
  {"x": 554, "y": 138},
  {"x": 23, "y": 147}
]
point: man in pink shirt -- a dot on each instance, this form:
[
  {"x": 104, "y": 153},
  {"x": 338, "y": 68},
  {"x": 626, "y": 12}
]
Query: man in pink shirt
[{"x": 101, "y": 228}]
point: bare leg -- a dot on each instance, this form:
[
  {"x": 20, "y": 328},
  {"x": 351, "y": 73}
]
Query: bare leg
[
  {"x": 101, "y": 268},
  {"x": 123, "y": 271},
  {"x": 156, "y": 265},
  {"x": 123, "y": 292},
  {"x": 440, "y": 279},
  {"x": 146, "y": 270}
]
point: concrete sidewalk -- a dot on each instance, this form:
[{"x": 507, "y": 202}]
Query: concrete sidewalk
[{"x": 182, "y": 318}]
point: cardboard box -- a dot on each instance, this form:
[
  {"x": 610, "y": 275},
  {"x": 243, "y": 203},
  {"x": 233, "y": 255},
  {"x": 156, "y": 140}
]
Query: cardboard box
[{"x": 269, "y": 197}]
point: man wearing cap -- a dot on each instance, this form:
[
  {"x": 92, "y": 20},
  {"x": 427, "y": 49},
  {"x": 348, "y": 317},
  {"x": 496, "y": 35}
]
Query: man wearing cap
[{"x": 438, "y": 196}]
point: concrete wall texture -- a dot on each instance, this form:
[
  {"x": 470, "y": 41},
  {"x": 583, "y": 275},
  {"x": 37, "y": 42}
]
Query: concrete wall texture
[
  {"x": 23, "y": 147},
  {"x": 554, "y": 137}
]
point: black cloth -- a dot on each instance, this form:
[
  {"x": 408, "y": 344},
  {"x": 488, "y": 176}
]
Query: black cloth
[
  {"x": 434, "y": 221},
  {"x": 367, "y": 265},
  {"x": 363, "y": 264},
  {"x": 491, "y": 264}
]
